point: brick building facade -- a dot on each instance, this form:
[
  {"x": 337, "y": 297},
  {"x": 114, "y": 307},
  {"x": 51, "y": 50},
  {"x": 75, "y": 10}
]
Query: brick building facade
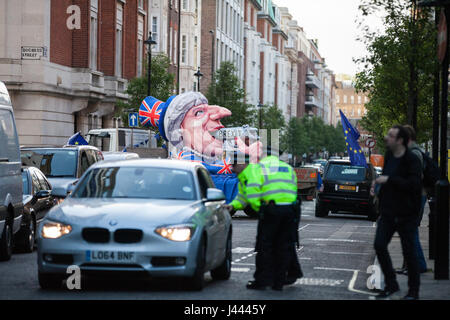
[{"x": 91, "y": 48}]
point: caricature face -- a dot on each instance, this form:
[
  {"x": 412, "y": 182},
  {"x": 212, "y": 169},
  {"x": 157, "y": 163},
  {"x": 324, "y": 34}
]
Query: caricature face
[{"x": 199, "y": 125}]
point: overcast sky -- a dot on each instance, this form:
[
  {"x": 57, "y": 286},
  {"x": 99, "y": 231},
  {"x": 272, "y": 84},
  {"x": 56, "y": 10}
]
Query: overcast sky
[{"x": 332, "y": 22}]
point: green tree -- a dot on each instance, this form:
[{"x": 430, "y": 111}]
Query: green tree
[
  {"x": 271, "y": 118},
  {"x": 161, "y": 87},
  {"x": 398, "y": 71},
  {"x": 225, "y": 90}
]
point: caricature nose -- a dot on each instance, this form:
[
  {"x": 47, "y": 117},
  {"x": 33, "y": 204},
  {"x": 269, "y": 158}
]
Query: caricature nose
[{"x": 218, "y": 112}]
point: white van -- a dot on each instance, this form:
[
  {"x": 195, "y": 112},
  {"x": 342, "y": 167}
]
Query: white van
[
  {"x": 11, "y": 205},
  {"x": 117, "y": 139}
]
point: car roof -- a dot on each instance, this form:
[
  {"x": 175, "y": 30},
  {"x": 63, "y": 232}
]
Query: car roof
[{"x": 146, "y": 162}]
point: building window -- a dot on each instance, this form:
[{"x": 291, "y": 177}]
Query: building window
[
  {"x": 155, "y": 30},
  {"x": 119, "y": 22},
  {"x": 366, "y": 99},
  {"x": 359, "y": 112},
  {"x": 352, "y": 99},
  {"x": 140, "y": 45},
  {"x": 195, "y": 52},
  {"x": 175, "y": 49},
  {"x": 170, "y": 43},
  {"x": 337, "y": 99},
  {"x": 141, "y": 4},
  {"x": 345, "y": 98},
  {"x": 93, "y": 35},
  {"x": 359, "y": 100},
  {"x": 185, "y": 5},
  {"x": 183, "y": 49}
]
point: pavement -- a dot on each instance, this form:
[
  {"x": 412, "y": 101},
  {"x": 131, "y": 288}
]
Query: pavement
[{"x": 430, "y": 288}]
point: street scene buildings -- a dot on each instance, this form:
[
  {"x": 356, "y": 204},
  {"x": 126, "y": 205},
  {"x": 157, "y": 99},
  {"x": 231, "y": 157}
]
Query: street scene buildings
[{"x": 85, "y": 52}]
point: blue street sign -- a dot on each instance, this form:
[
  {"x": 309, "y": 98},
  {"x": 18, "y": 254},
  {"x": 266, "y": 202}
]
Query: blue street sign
[{"x": 133, "y": 119}]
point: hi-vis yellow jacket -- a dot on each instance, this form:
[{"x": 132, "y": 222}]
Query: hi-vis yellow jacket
[{"x": 270, "y": 179}]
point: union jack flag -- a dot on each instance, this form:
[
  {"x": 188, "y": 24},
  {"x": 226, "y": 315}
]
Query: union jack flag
[{"x": 150, "y": 113}]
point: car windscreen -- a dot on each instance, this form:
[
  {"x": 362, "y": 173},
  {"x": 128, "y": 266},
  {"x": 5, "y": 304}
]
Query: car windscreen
[
  {"x": 26, "y": 189},
  {"x": 136, "y": 182},
  {"x": 345, "y": 172},
  {"x": 53, "y": 163}
]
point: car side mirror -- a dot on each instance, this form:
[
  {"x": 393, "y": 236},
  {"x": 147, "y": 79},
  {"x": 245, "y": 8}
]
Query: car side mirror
[
  {"x": 71, "y": 187},
  {"x": 213, "y": 194},
  {"x": 43, "y": 194}
]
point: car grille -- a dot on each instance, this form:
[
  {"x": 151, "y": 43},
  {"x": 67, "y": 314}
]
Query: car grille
[
  {"x": 96, "y": 235},
  {"x": 128, "y": 235}
]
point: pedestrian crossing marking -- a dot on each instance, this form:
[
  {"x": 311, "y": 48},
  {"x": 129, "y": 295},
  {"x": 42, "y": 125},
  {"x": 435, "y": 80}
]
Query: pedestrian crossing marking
[{"x": 242, "y": 250}]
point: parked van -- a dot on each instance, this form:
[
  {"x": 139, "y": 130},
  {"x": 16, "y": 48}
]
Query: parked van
[
  {"x": 117, "y": 139},
  {"x": 11, "y": 204}
]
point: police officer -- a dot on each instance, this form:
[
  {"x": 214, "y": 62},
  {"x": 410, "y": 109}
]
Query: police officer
[{"x": 270, "y": 187}]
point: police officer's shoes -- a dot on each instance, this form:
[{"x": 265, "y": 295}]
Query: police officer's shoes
[
  {"x": 411, "y": 296},
  {"x": 386, "y": 293},
  {"x": 253, "y": 285}
]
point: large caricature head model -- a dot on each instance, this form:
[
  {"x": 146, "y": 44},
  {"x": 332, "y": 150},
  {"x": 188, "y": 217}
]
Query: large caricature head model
[{"x": 186, "y": 120}]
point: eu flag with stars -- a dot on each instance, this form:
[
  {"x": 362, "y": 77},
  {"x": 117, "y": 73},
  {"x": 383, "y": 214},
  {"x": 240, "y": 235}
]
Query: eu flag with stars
[
  {"x": 76, "y": 140},
  {"x": 357, "y": 157}
]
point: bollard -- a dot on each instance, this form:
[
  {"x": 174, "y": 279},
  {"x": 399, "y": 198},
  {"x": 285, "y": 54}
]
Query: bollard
[
  {"x": 442, "y": 231},
  {"x": 432, "y": 228}
]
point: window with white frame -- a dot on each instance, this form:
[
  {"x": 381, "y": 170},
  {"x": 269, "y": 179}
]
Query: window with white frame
[
  {"x": 183, "y": 49},
  {"x": 170, "y": 43},
  {"x": 141, "y": 4},
  {"x": 337, "y": 99},
  {"x": 175, "y": 49},
  {"x": 119, "y": 33},
  {"x": 140, "y": 45},
  {"x": 345, "y": 98},
  {"x": 352, "y": 99},
  {"x": 195, "y": 52},
  {"x": 185, "y": 5},
  {"x": 93, "y": 35},
  {"x": 359, "y": 100},
  {"x": 155, "y": 31}
]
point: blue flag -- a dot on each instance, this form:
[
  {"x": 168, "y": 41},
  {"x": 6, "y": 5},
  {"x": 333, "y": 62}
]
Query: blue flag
[
  {"x": 77, "y": 139},
  {"x": 357, "y": 157}
]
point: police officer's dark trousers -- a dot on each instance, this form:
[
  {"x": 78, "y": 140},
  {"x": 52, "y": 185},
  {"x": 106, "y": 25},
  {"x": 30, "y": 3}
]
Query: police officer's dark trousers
[{"x": 274, "y": 244}]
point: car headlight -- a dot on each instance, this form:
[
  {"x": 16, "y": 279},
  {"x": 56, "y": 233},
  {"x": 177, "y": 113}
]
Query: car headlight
[
  {"x": 176, "y": 233},
  {"x": 55, "y": 230}
]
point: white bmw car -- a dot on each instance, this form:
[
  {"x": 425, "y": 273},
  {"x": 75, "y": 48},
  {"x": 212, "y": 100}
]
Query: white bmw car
[{"x": 154, "y": 217}]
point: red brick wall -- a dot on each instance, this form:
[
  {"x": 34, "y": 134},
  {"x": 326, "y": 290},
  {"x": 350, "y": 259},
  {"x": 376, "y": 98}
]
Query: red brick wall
[
  {"x": 208, "y": 23},
  {"x": 107, "y": 36},
  {"x": 130, "y": 39},
  {"x": 80, "y": 38},
  {"x": 60, "y": 35},
  {"x": 262, "y": 27}
]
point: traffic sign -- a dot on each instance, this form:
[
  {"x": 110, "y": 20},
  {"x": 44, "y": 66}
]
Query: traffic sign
[
  {"x": 133, "y": 120},
  {"x": 370, "y": 143}
]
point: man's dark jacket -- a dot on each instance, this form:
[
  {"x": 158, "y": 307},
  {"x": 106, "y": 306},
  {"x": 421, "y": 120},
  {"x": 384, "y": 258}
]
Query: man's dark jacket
[{"x": 404, "y": 187}]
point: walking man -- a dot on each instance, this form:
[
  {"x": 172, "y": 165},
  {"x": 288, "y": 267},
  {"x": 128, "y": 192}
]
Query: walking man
[
  {"x": 414, "y": 147},
  {"x": 400, "y": 197},
  {"x": 270, "y": 187}
]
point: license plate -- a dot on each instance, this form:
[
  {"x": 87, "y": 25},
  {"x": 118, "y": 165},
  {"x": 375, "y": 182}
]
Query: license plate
[
  {"x": 350, "y": 188},
  {"x": 110, "y": 256}
]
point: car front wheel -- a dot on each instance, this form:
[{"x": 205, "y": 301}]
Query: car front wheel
[
  {"x": 6, "y": 243},
  {"x": 197, "y": 281},
  {"x": 223, "y": 272},
  {"x": 321, "y": 211}
]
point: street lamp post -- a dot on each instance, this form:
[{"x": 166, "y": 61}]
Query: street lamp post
[
  {"x": 198, "y": 74},
  {"x": 441, "y": 245},
  {"x": 149, "y": 42}
]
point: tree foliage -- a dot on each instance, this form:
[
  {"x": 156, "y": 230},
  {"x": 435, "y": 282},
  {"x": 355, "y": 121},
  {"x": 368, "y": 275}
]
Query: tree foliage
[
  {"x": 311, "y": 135},
  {"x": 397, "y": 73},
  {"x": 161, "y": 86},
  {"x": 225, "y": 90}
]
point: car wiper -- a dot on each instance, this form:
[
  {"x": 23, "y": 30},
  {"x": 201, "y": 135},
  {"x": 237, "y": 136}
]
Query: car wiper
[{"x": 60, "y": 176}]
